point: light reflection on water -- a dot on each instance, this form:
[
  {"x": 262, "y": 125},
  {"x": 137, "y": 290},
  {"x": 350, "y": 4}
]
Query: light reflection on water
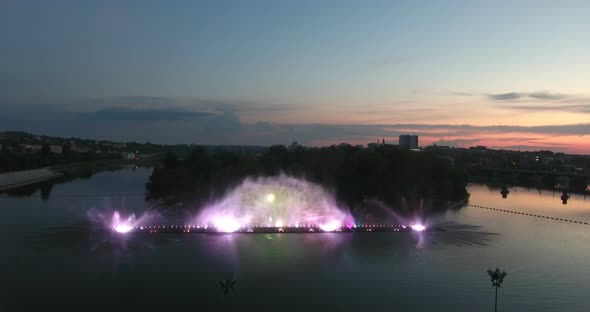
[
  {"x": 51, "y": 251},
  {"x": 534, "y": 201}
]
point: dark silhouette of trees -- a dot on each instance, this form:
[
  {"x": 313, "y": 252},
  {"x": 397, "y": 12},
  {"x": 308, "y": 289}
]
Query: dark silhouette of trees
[
  {"x": 170, "y": 160},
  {"x": 45, "y": 150},
  {"x": 354, "y": 174},
  {"x": 14, "y": 161}
]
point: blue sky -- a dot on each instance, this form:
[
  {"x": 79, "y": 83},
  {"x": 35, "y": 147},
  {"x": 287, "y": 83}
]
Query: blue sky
[{"x": 223, "y": 66}]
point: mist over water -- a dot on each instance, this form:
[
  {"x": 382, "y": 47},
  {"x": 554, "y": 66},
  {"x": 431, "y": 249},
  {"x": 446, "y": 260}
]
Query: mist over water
[{"x": 275, "y": 201}]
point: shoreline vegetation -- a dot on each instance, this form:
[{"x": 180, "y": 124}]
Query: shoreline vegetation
[
  {"x": 357, "y": 176},
  {"x": 12, "y": 162}
]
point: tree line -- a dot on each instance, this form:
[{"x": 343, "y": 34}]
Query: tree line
[
  {"x": 15, "y": 161},
  {"x": 354, "y": 174}
]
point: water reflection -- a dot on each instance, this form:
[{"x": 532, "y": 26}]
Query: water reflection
[
  {"x": 406, "y": 211},
  {"x": 564, "y": 197},
  {"x": 182, "y": 271},
  {"x": 460, "y": 235},
  {"x": 70, "y": 174},
  {"x": 86, "y": 236},
  {"x": 44, "y": 189},
  {"x": 545, "y": 195},
  {"x": 230, "y": 250},
  {"x": 325, "y": 248},
  {"x": 504, "y": 191}
]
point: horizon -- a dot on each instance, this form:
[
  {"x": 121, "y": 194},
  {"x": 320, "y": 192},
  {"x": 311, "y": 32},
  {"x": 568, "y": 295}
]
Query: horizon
[
  {"x": 524, "y": 149},
  {"x": 269, "y": 72}
]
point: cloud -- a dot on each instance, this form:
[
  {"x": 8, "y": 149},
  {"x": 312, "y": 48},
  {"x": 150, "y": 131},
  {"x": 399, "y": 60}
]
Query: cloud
[
  {"x": 172, "y": 121},
  {"x": 505, "y": 96},
  {"x": 146, "y": 103},
  {"x": 457, "y": 142},
  {"x": 584, "y": 109},
  {"x": 463, "y": 93},
  {"x": 547, "y": 96},
  {"x": 526, "y": 148},
  {"x": 369, "y": 133},
  {"x": 571, "y": 129},
  {"x": 117, "y": 114},
  {"x": 511, "y": 96},
  {"x": 132, "y": 118},
  {"x": 514, "y": 96}
]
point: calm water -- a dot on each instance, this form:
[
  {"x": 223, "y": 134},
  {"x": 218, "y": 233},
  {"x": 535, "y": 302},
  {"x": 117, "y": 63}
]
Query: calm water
[{"x": 50, "y": 261}]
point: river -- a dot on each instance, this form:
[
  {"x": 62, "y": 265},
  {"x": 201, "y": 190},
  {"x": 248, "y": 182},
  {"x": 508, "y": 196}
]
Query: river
[{"x": 50, "y": 262}]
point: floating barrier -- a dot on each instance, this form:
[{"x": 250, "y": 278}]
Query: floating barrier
[{"x": 528, "y": 214}]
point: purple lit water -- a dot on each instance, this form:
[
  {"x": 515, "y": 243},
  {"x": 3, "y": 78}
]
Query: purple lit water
[
  {"x": 50, "y": 261},
  {"x": 274, "y": 202}
]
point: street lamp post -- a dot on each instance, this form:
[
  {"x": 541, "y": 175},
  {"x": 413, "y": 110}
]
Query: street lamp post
[{"x": 497, "y": 277}]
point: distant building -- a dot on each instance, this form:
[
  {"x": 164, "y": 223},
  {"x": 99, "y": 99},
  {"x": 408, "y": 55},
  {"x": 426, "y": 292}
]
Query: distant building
[
  {"x": 31, "y": 147},
  {"x": 408, "y": 141},
  {"x": 56, "y": 149},
  {"x": 79, "y": 149},
  {"x": 115, "y": 144},
  {"x": 126, "y": 155},
  {"x": 435, "y": 147}
]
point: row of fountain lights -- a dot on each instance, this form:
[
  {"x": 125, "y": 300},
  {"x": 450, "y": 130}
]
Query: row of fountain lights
[{"x": 125, "y": 228}]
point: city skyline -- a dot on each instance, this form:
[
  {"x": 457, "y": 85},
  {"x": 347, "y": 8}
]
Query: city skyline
[{"x": 504, "y": 75}]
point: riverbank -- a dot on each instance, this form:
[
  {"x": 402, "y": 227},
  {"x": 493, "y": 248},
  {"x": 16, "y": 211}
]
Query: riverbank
[{"x": 15, "y": 179}]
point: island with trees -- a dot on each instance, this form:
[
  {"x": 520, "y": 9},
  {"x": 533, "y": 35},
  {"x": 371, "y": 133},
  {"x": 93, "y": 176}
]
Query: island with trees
[{"x": 354, "y": 174}]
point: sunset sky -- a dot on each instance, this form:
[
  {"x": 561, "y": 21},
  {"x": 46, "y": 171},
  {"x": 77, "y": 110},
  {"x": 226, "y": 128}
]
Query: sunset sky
[{"x": 505, "y": 74}]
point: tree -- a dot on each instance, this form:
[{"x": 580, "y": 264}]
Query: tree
[
  {"x": 354, "y": 174},
  {"x": 45, "y": 150},
  {"x": 170, "y": 160}
]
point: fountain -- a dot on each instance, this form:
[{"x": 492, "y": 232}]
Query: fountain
[
  {"x": 279, "y": 204},
  {"x": 122, "y": 225},
  {"x": 279, "y": 201}
]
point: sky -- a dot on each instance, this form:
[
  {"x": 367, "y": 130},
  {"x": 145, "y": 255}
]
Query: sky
[{"x": 504, "y": 74}]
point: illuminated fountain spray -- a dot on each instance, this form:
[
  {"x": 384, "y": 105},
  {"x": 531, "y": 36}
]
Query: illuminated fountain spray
[
  {"x": 418, "y": 227},
  {"x": 280, "y": 201},
  {"x": 261, "y": 205},
  {"x": 415, "y": 223},
  {"x": 121, "y": 225}
]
